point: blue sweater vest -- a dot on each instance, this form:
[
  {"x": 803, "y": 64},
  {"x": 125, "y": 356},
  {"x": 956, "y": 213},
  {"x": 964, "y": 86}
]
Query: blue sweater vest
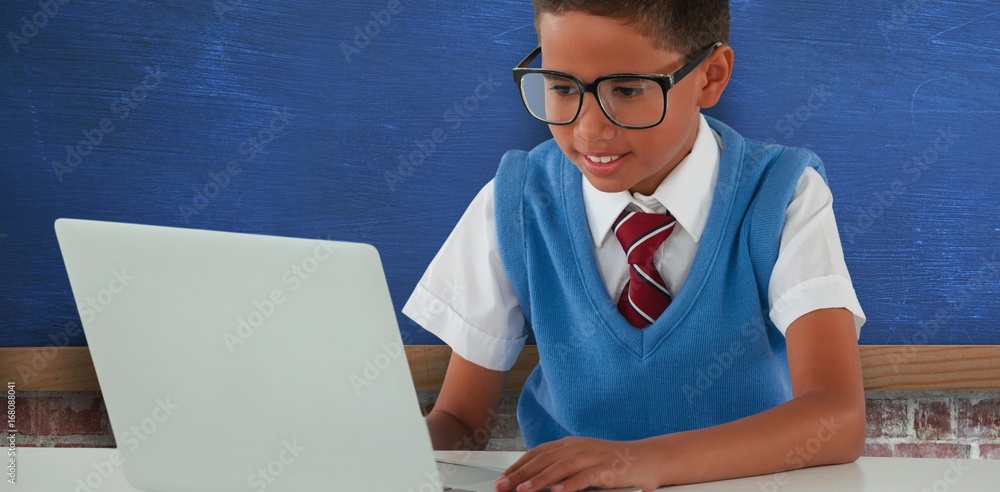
[{"x": 712, "y": 357}]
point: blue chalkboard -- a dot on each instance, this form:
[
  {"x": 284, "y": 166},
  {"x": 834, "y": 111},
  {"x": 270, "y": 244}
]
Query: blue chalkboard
[{"x": 378, "y": 121}]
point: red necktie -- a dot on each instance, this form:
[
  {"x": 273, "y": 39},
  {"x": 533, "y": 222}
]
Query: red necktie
[{"x": 645, "y": 295}]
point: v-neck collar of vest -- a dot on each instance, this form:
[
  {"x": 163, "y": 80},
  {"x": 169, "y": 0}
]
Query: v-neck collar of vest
[{"x": 644, "y": 342}]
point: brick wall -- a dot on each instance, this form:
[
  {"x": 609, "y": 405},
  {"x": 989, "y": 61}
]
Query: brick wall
[
  {"x": 917, "y": 424},
  {"x": 62, "y": 419},
  {"x": 934, "y": 425}
]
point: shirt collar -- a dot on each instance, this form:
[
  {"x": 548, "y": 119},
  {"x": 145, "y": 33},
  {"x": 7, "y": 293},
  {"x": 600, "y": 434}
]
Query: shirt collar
[{"x": 686, "y": 192}]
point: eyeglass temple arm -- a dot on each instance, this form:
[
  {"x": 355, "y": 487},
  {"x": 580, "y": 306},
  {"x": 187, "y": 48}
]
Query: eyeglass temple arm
[
  {"x": 528, "y": 59},
  {"x": 677, "y": 76},
  {"x": 686, "y": 69}
]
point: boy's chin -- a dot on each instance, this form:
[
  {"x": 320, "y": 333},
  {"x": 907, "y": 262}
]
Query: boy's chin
[
  {"x": 612, "y": 177},
  {"x": 606, "y": 185}
]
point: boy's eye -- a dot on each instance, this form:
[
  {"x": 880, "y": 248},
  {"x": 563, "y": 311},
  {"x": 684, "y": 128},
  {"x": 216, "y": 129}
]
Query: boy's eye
[
  {"x": 628, "y": 88},
  {"x": 560, "y": 86},
  {"x": 628, "y": 91},
  {"x": 563, "y": 89}
]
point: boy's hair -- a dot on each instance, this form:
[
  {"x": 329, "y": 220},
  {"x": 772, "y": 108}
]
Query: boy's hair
[{"x": 684, "y": 26}]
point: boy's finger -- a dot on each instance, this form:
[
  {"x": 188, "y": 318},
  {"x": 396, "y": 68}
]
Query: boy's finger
[
  {"x": 536, "y": 476},
  {"x": 515, "y": 475},
  {"x": 581, "y": 480},
  {"x": 526, "y": 471},
  {"x": 528, "y": 456},
  {"x": 548, "y": 467}
]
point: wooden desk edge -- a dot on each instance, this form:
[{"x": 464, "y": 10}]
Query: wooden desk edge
[{"x": 885, "y": 367}]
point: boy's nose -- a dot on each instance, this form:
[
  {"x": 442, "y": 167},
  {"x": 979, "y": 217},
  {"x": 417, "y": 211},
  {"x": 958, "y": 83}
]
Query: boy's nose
[{"x": 591, "y": 124}]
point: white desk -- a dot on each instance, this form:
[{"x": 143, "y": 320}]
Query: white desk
[{"x": 59, "y": 469}]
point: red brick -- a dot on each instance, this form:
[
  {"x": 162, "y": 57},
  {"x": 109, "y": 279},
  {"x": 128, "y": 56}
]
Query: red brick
[
  {"x": 989, "y": 451},
  {"x": 979, "y": 420},
  {"x": 932, "y": 450},
  {"x": 65, "y": 414},
  {"x": 886, "y": 418},
  {"x": 932, "y": 420},
  {"x": 878, "y": 449}
]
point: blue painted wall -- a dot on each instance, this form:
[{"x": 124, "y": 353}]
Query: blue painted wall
[{"x": 317, "y": 119}]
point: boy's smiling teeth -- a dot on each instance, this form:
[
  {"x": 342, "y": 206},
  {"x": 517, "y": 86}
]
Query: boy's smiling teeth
[{"x": 603, "y": 160}]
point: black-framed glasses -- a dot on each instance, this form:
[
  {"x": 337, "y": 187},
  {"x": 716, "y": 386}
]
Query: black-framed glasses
[{"x": 630, "y": 100}]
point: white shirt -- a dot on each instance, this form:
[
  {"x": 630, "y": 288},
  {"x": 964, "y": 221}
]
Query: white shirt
[{"x": 465, "y": 298}]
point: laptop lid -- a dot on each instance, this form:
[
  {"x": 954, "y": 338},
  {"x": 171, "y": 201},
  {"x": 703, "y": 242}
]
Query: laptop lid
[{"x": 244, "y": 362}]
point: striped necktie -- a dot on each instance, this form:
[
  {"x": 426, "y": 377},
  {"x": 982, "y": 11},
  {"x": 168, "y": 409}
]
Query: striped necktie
[{"x": 645, "y": 295}]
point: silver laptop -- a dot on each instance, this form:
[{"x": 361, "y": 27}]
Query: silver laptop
[{"x": 244, "y": 362}]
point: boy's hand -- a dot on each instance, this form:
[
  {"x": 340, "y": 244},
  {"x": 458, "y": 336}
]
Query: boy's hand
[{"x": 575, "y": 463}]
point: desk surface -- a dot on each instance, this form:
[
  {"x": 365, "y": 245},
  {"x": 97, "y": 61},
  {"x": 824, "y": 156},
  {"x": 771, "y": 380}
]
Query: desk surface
[{"x": 66, "y": 469}]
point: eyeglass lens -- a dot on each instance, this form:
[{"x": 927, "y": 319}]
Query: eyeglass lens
[{"x": 626, "y": 100}]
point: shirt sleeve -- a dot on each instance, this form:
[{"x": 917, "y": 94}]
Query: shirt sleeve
[
  {"x": 810, "y": 272},
  {"x": 464, "y": 296}
]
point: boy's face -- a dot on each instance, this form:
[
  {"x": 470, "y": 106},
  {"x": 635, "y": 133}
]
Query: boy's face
[{"x": 589, "y": 46}]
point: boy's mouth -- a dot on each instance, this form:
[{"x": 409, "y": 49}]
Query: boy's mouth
[
  {"x": 604, "y": 166},
  {"x": 602, "y": 159}
]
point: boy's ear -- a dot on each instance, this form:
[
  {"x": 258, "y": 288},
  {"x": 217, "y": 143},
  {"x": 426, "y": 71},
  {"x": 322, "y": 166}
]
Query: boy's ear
[{"x": 718, "y": 69}]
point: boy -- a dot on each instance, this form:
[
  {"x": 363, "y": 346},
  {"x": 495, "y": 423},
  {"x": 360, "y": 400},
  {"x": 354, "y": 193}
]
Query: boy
[{"x": 686, "y": 287}]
